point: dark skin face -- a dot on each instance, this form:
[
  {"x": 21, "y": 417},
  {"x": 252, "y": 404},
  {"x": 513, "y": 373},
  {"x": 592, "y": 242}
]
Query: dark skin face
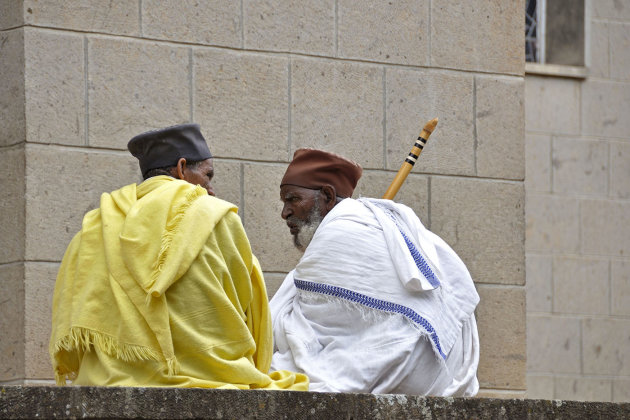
[
  {"x": 298, "y": 202},
  {"x": 200, "y": 174}
]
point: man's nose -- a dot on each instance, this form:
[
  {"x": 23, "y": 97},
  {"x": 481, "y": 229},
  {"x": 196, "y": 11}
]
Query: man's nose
[
  {"x": 210, "y": 190},
  {"x": 286, "y": 211}
]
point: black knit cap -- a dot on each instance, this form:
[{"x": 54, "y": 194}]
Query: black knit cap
[{"x": 163, "y": 148}]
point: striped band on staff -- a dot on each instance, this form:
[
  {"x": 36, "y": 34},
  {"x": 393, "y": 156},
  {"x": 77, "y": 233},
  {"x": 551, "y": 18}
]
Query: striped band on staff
[
  {"x": 411, "y": 158},
  {"x": 420, "y": 143}
]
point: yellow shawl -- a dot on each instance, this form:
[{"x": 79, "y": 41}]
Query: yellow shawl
[{"x": 160, "y": 288}]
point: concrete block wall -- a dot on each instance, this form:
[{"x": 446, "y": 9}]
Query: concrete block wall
[
  {"x": 79, "y": 78},
  {"x": 578, "y": 220}
]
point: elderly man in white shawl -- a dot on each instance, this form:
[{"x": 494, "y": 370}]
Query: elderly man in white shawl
[{"x": 377, "y": 303}]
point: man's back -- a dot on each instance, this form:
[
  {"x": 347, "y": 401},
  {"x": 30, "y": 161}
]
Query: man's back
[
  {"x": 160, "y": 288},
  {"x": 351, "y": 318}
]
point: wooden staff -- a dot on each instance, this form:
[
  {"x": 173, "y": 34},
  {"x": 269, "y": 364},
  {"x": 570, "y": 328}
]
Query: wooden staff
[{"x": 410, "y": 160}]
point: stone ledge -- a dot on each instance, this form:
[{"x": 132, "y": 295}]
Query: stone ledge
[{"x": 175, "y": 403}]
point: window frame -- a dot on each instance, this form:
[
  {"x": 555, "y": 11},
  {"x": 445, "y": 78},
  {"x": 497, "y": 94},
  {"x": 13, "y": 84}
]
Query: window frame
[{"x": 559, "y": 70}]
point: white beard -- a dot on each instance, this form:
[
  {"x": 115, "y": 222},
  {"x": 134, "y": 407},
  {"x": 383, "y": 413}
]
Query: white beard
[{"x": 307, "y": 228}]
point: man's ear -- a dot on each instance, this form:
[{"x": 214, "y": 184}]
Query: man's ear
[
  {"x": 180, "y": 168},
  {"x": 330, "y": 197}
]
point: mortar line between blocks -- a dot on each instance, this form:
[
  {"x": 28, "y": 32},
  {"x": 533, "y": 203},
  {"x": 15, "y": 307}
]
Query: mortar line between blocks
[
  {"x": 610, "y": 291},
  {"x": 384, "y": 117},
  {"x": 581, "y": 347},
  {"x": 474, "y": 116},
  {"x": 12, "y": 263},
  {"x": 86, "y": 86},
  {"x": 429, "y": 30},
  {"x": 553, "y": 284},
  {"x": 191, "y": 84},
  {"x": 289, "y": 103},
  {"x": 581, "y": 110},
  {"x": 49, "y": 262},
  {"x": 242, "y": 25},
  {"x": 140, "y": 18},
  {"x": 551, "y": 169},
  {"x": 180, "y": 43},
  {"x": 242, "y": 186},
  {"x": 12, "y": 146},
  {"x": 608, "y": 49},
  {"x": 612, "y": 389},
  {"x": 571, "y": 315},
  {"x": 580, "y": 245},
  {"x": 609, "y": 172},
  {"x": 336, "y": 28},
  {"x": 429, "y": 200}
]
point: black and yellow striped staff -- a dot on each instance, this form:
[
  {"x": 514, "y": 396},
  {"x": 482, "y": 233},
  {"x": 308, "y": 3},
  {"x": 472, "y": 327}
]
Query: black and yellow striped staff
[{"x": 410, "y": 160}]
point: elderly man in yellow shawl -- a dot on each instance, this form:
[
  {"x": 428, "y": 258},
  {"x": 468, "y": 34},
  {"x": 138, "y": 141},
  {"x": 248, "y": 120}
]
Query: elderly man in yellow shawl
[{"x": 160, "y": 286}]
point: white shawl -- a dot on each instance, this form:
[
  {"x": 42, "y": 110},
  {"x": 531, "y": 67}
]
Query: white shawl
[{"x": 378, "y": 304}]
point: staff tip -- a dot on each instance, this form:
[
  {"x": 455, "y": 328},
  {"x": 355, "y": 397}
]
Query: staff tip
[{"x": 430, "y": 126}]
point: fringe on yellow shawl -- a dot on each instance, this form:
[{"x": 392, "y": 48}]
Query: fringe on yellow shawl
[
  {"x": 167, "y": 238},
  {"x": 82, "y": 338}
]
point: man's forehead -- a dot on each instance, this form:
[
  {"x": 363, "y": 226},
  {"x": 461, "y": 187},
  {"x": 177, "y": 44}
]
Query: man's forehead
[
  {"x": 288, "y": 189},
  {"x": 206, "y": 165}
]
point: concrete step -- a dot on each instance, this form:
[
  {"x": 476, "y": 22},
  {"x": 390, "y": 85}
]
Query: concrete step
[{"x": 177, "y": 403}]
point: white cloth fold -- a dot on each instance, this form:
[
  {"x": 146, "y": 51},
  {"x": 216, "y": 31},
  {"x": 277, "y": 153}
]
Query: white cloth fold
[
  {"x": 403, "y": 231},
  {"x": 378, "y": 304}
]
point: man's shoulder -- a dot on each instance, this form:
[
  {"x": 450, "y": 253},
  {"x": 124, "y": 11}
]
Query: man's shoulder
[
  {"x": 193, "y": 198},
  {"x": 212, "y": 210},
  {"x": 347, "y": 207},
  {"x": 191, "y": 202},
  {"x": 215, "y": 205},
  {"x": 348, "y": 211}
]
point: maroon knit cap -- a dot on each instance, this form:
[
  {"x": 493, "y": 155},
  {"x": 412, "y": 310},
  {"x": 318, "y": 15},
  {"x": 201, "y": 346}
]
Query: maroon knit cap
[{"x": 312, "y": 168}]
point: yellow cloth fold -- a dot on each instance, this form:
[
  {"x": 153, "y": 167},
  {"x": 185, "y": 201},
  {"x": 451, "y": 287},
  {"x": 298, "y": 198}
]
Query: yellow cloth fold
[{"x": 160, "y": 288}]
